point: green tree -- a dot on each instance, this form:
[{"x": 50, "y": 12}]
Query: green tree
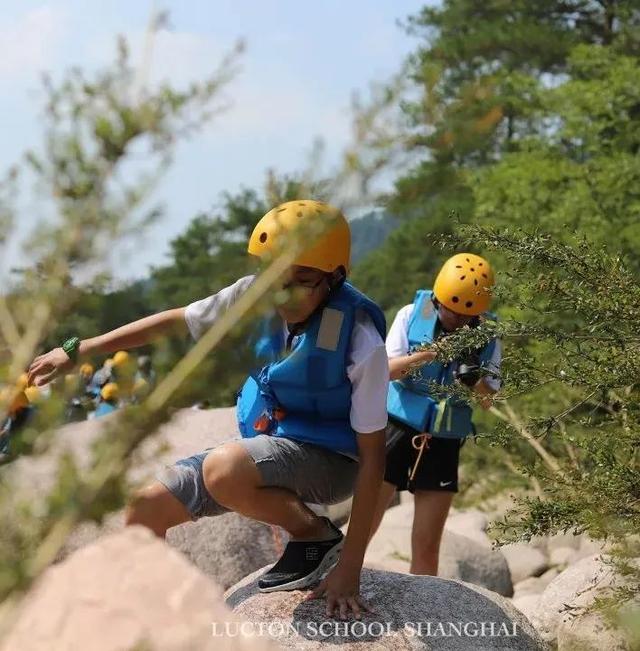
[
  {"x": 583, "y": 175},
  {"x": 476, "y": 91}
]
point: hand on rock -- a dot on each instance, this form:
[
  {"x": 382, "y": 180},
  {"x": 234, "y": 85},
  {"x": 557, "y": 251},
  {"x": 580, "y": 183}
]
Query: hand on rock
[{"x": 341, "y": 587}]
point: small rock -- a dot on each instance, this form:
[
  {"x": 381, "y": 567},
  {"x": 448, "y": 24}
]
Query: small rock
[
  {"x": 561, "y": 555},
  {"x": 548, "y": 576},
  {"x": 465, "y": 559},
  {"x": 472, "y": 524},
  {"x": 532, "y": 585},
  {"x": 561, "y": 540},
  {"x": 524, "y": 561},
  {"x": 588, "y": 547}
]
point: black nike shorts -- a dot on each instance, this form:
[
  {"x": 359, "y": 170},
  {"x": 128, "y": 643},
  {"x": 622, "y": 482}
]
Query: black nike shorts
[{"x": 437, "y": 470}]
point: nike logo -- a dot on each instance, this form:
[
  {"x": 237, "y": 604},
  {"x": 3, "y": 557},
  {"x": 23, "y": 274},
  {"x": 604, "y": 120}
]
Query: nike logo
[{"x": 445, "y": 483}]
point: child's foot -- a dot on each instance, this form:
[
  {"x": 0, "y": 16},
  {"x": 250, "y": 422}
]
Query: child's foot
[{"x": 303, "y": 563}]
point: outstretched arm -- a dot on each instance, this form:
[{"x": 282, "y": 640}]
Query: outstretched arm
[{"x": 138, "y": 333}]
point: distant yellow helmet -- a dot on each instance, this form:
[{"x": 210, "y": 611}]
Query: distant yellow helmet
[
  {"x": 328, "y": 251},
  {"x": 110, "y": 391},
  {"x": 13, "y": 400},
  {"x": 86, "y": 369},
  {"x": 121, "y": 358},
  {"x": 464, "y": 284}
]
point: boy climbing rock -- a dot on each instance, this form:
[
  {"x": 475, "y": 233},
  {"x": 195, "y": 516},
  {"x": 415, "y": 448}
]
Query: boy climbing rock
[{"x": 312, "y": 414}]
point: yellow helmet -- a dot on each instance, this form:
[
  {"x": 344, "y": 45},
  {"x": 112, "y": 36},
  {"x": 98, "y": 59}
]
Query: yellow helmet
[
  {"x": 110, "y": 391},
  {"x": 33, "y": 394},
  {"x": 86, "y": 369},
  {"x": 464, "y": 284},
  {"x": 121, "y": 358},
  {"x": 14, "y": 400},
  {"x": 330, "y": 250},
  {"x": 23, "y": 380}
]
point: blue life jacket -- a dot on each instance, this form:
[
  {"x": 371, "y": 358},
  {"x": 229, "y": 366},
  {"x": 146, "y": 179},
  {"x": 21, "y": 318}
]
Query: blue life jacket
[
  {"x": 104, "y": 409},
  {"x": 410, "y": 401},
  {"x": 306, "y": 394}
]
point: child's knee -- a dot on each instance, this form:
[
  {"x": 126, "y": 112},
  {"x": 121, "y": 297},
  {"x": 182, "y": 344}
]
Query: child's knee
[{"x": 229, "y": 474}]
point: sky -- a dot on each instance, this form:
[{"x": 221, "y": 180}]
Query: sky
[{"x": 302, "y": 63}]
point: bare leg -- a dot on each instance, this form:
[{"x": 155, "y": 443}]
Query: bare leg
[
  {"x": 431, "y": 509},
  {"x": 157, "y": 509},
  {"x": 234, "y": 481},
  {"x": 387, "y": 493}
]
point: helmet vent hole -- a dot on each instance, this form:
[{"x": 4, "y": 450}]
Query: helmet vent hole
[
  {"x": 300, "y": 213},
  {"x": 472, "y": 269},
  {"x": 301, "y": 204},
  {"x": 484, "y": 275},
  {"x": 281, "y": 210},
  {"x": 469, "y": 304},
  {"x": 458, "y": 266},
  {"x": 263, "y": 238},
  {"x": 467, "y": 259},
  {"x": 475, "y": 281},
  {"x": 455, "y": 299},
  {"x": 462, "y": 277},
  {"x": 479, "y": 264}
]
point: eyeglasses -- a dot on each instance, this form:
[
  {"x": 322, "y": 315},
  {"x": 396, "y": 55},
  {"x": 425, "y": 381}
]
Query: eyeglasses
[{"x": 305, "y": 284}]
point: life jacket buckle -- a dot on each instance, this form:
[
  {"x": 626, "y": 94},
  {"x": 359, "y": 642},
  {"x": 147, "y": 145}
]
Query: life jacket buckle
[{"x": 263, "y": 424}]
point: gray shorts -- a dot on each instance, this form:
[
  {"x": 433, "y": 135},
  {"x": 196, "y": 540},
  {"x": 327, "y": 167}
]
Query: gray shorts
[{"x": 317, "y": 475}]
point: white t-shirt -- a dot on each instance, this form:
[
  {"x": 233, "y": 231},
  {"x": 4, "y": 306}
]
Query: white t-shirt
[
  {"x": 398, "y": 344},
  {"x": 367, "y": 364}
]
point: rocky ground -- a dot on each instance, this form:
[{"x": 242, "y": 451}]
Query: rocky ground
[{"x": 115, "y": 589}]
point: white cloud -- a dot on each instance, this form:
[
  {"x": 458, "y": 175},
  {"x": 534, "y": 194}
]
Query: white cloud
[
  {"x": 266, "y": 99},
  {"x": 29, "y": 41}
]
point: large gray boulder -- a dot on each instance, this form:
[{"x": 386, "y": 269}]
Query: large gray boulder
[
  {"x": 467, "y": 560},
  {"x": 411, "y": 612},
  {"x": 228, "y": 547},
  {"x": 127, "y": 591},
  {"x": 461, "y": 558}
]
